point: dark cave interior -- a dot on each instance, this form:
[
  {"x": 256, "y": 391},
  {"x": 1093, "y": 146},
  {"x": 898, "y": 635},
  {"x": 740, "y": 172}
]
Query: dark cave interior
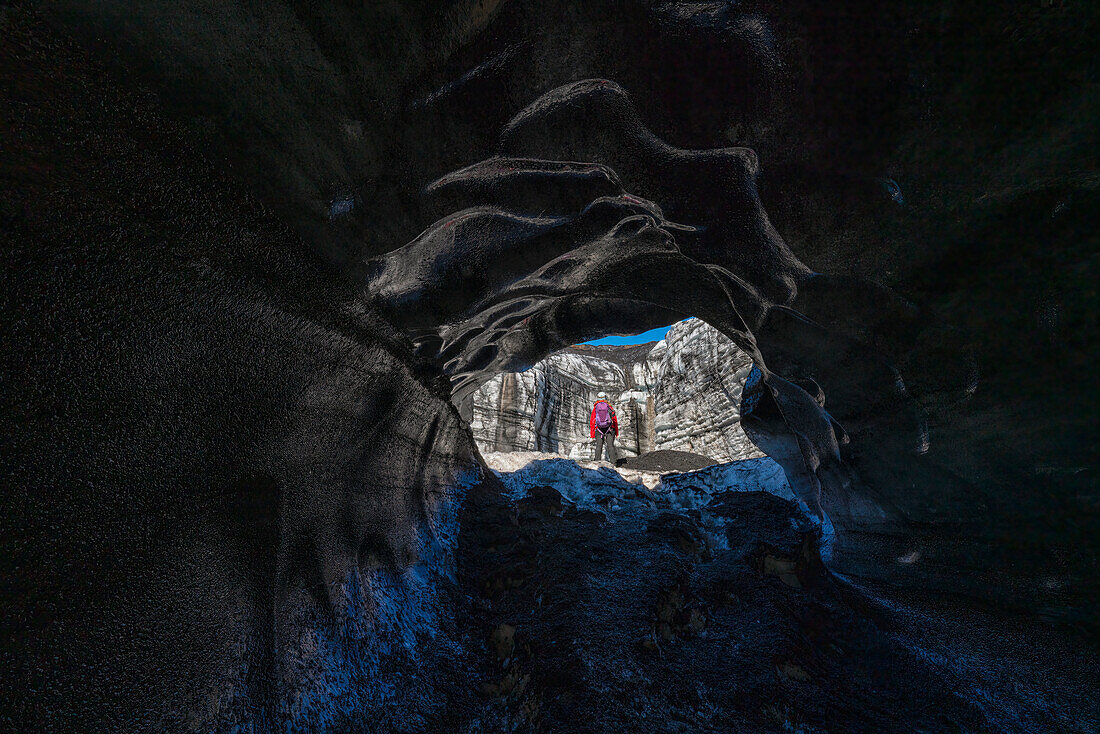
[{"x": 257, "y": 253}]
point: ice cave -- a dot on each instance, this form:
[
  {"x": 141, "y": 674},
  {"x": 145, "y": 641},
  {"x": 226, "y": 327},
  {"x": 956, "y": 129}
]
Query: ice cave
[{"x": 297, "y": 300}]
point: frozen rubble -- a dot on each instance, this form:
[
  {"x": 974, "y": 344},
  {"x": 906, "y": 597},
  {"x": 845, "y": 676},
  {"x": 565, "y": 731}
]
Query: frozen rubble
[{"x": 588, "y": 483}]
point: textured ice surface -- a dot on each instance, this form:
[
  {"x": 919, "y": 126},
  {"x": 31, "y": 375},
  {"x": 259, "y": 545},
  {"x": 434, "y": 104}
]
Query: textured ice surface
[
  {"x": 588, "y": 482},
  {"x": 598, "y": 484},
  {"x": 519, "y": 469}
]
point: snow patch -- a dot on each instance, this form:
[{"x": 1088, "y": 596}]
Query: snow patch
[{"x": 594, "y": 482}]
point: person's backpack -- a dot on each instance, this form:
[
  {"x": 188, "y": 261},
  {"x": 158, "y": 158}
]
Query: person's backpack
[{"x": 603, "y": 415}]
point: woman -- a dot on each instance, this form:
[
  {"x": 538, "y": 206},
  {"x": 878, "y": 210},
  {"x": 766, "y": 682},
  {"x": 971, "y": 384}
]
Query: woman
[{"x": 604, "y": 427}]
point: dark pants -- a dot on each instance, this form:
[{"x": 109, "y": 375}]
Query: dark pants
[{"x": 608, "y": 439}]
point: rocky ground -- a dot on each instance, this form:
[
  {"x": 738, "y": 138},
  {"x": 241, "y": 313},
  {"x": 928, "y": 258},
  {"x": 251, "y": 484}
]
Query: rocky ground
[
  {"x": 606, "y": 606},
  {"x": 668, "y": 460}
]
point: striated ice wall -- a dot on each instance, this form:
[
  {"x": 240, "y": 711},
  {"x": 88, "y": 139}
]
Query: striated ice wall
[
  {"x": 682, "y": 393},
  {"x": 698, "y": 393},
  {"x": 546, "y": 408}
]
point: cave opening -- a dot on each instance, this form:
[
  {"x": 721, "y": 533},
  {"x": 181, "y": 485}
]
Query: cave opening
[{"x": 678, "y": 392}]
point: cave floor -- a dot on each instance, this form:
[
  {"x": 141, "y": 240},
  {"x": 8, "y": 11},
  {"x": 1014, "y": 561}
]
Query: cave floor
[{"x": 621, "y": 611}]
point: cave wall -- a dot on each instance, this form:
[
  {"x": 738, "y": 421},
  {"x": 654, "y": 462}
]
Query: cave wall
[
  {"x": 228, "y": 499},
  {"x": 697, "y": 395}
]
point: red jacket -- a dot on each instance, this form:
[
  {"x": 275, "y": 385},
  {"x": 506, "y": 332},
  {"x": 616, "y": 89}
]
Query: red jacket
[{"x": 592, "y": 419}]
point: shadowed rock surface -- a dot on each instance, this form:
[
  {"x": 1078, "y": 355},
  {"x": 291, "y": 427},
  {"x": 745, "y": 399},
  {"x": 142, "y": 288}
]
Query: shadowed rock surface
[
  {"x": 255, "y": 253},
  {"x": 605, "y": 615}
]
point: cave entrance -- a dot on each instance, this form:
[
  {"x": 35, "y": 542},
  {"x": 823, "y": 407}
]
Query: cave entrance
[{"x": 676, "y": 389}]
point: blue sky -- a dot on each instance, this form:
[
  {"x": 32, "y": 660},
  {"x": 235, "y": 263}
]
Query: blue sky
[{"x": 646, "y": 336}]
